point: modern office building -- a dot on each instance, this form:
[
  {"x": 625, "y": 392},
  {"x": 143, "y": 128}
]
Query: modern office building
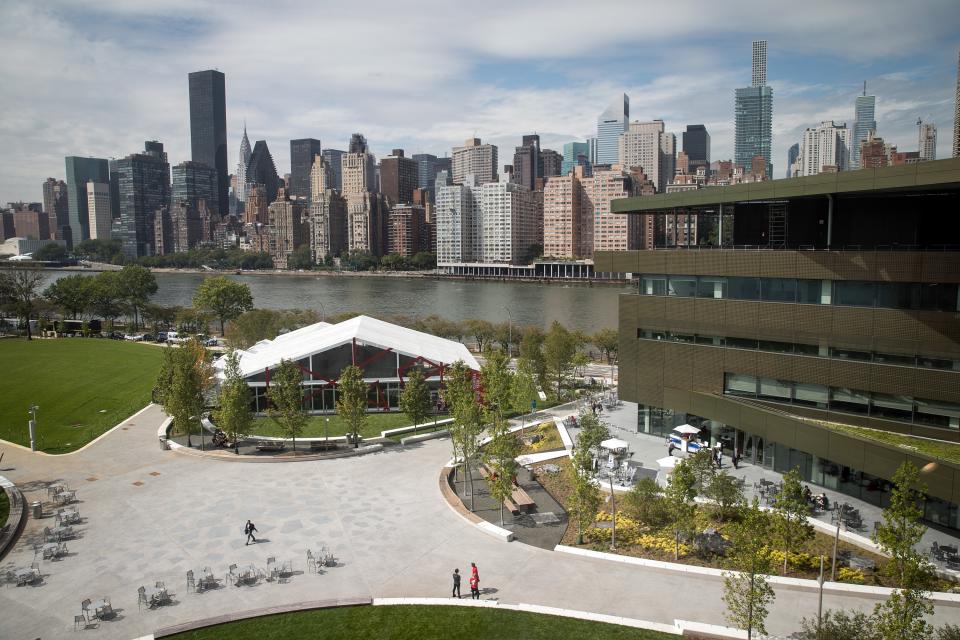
[
  {"x": 302, "y": 153},
  {"x": 574, "y": 154},
  {"x": 262, "y": 170},
  {"x": 552, "y": 162},
  {"x": 208, "y": 130},
  {"x": 328, "y": 224},
  {"x": 458, "y": 221},
  {"x": 527, "y": 163},
  {"x": 142, "y": 182},
  {"x": 848, "y": 322},
  {"x": 647, "y": 146},
  {"x": 407, "y": 230},
  {"x": 288, "y": 228},
  {"x": 31, "y": 224},
  {"x": 241, "y": 173},
  {"x": 826, "y": 147},
  {"x": 753, "y": 114},
  {"x": 865, "y": 121},
  {"x": 193, "y": 182},
  {"x": 99, "y": 210},
  {"x": 507, "y": 223},
  {"x": 611, "y": 124},
  {"x": 428, "y": 166},
  {"x": 792, "y": 154},
  {"x": 476, "y": 159},
  {"x": 696, "y": 144},
  {"x": 57, "y": 207},
  {"x": 928, "y": 141},
  {"x": 80, "y": 171},
  {"x": 399, "y": 176},
  {"x": 334, "y": 159}
]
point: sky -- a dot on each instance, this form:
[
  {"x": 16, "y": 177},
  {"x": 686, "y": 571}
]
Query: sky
[{"x": 87, "y": 78}]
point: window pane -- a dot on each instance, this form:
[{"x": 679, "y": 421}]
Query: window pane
[
  {"x": 778, "y": 289},
  {"x": 849, "y": 354},
  {"x": 711, "y": 340},
  {"x": 739, "y": 384},
  {"x": 814, "y": 395},
  {"x": 653, "y": 285},
  {"x": 937, "y": 413},
  {"x": 742, "y": 343},
  {"x": 893, "y": 407},
  {"x": 856, "y": 294},
  {"x": 849, "y": 400},
  {"x": 891, "y": 358},
  {"x": 743, "y": 288},
  {"x": 775, "y": 389},
  {"x": 809, "y": 291},
  {"x": 711, "y": 287},
  {"x": 898, "y": 295},
  {"x": 776, "y": 347},
  {"x": 683, "y": 286},
  {"x": 939, "y": 297},
  {"x": 682, "y": 337},
  {"x": 936, "y": 363},
  {"x": 807, "y": 349}
]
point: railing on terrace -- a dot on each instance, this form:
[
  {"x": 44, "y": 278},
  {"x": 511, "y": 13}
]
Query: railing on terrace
[{"x": 810, "y": 247}]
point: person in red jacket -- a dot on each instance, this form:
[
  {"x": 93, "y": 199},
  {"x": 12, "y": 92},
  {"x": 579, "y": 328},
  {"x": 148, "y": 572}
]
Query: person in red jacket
[{"x": 474, "y": 587}]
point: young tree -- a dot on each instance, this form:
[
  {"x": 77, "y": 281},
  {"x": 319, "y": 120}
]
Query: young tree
[
  {"x": 460, "y": 397},
  {"x": 585, "y": 500},
  {"x": 790, "y": 526},
  {"x": 901, "y": 529},
  {"x": 579, "y": 362},
  {"x": 559, "y": 348},
  {"x": 223, "y": 298},
  {"x": 105, "y": 295},
  {"x": 19, "y": 287},
  {"x": 234, "y": 415},
  {"x": 184, "y": 375},
  {"x": 725, "y": 491},
  {"x": 593, "y": 431},
  {"x": 70, "y": 294},
  {"x": 839, "y": 625},
  {"x": 503, "y": 448},
  {"x": 746, "y": 591},
  {"x": 136, "y": 284},
  {"x": 645, "y": 502},
  {"x": 286, "y": 399},
  {"x": 415, "y": 397},
  {"x": 701, "y": 465},
  {"x": 481, "y": 330},
  {"x": 903, "y": 615},
  {"x": 352, "y": 400},
  {"x": 531, "y": 351},
  {"x": 524, "y": 391},
  {"x": 679, "y": 494},
  {"x": 608, "y": 342}
]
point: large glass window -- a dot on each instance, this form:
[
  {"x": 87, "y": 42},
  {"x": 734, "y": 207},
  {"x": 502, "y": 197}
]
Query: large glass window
[
  {"x": 738, "y": 384},
  {"x": 938, "y": 414},
  {"x": 937, "y": 363},
  {"x": 810, "y": 291},
  {"x": 743, "y": 288},
  {"x": 778, "y": 289},
  {"x": 778, "y": 390},
  {"x": 742, "y": 343},
  {"x": 711, "y": 287},
  {"x": 898, "y": 295},
  {"x": 892, "y": 407},
  {"x": 842, "y": 399},
  {"x": 683, "y": 286},
  {"x": 854, "y": 293},
  {"x": 653, "y": 285},
  {"x": 850, "y": 354},
  {"x": 776, "y": 347},
  {"x": 811, "y": 395},
  {"x": 891, "y": 358},
  {"x": 939, "y": 297}
]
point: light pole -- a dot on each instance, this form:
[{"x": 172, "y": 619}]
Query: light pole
[
  {"x": 32, "y": 426},
  {"x": 326, "y": 430},
  {"x": 509, "y": 331}
]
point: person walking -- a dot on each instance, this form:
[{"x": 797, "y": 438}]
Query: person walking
[
  {"x": 249, "y": 529},
  {"x": 474, "y": 571},
  {"x": 474, "y": 587},
  {"x": 456, "y": 584}
]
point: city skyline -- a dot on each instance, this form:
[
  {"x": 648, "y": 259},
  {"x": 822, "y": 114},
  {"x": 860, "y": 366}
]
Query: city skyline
[{"x": 492, "y": 85}]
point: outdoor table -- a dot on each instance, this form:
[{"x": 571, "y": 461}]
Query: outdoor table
[
  {"x": 24, "y": 576},
  {"x": 155, "y": 594},
  {"x": 50, "y": 547},
  {"x": 949, "y": 550},
  {"x": 205, "y": 578},
  {"x": 62, "y": 531},
  {"x": 97, "y": 606}
]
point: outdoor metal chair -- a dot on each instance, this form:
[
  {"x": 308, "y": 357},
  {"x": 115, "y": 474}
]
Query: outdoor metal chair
[
  {"x": 311, "y": 562},
  {"x": 79, "y": 621},
  {"x": 232, "y": 574},
  {"x": 106, "y": 610},
  {"x": 142, "y": 598},
  {"x": 272, "y": 572},
  {"x": 85, "y": 607},
  {"x": 191, "y": 583}
]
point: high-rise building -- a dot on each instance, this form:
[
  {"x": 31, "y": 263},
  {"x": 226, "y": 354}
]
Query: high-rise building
[
  {"x": 334, "y": 160},
  {"x": 792, "y": 154},
  {"x": 574, "y": 154},
  {"x": 177, "y": 228},
  {"x": 302, "y": 153},
  {"x": 696, "y": 144},
  {"x": 399, "y": 176},
  {"x": 328, "y": 224},
  {"x": 827, "y": 145},
  {"x": 428, "y": 166},
  {"x": 57, "y": 207},
  {"x": 80, "y": 171},
  {"x": 562, "y": 215},
  {"x": 99, "y": 210},
  {"x": 928, "y": 141},
  {"x": 646, "y": 145},
  {"x": 358, "y": 168},
  {"x": 30, "y": 223},
  {"x": 143, "y": 186},
  {"x": 611, "y": 124},
  {"x": 321, "y": 177},
  {"x": 874, "y": 152},
  {"x": 956, "y": 114},
  {"x": 208, "y": 130},
  {"x": 257, "y": 206},
  {"x": 527, "y": 163},
  {"x": 288, "y": 229},
  {"x": 753, "y": 114},
  {"x": 551, "y": 162},
  {"x": 458, "y": 220},
  {"x": 262, "y": 170},
  {"x": 244, "y": 160},
  {"x": 507, "y": 223},
  {"x": 193, "y": 182},
  {"x": 865, "y": 121},
  {"x": 366, "y": 222},
  {"x": 408, "y": 234},
  {"x": 476, "y": 159}
]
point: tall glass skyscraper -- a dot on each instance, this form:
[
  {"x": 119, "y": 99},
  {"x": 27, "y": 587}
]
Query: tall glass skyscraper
[
  {"x": 79, "y": 172},
  {"x": 208, "y": 129},
  {"x": 610, "y": 126},
  {"x": 753, "y": 114},
  {"x": 792, "y": 154},
  {"x": 142, "y": 182},
  {"x": 301, "y": 161},
  {"x": 696, "y": 144},
  {"x": 864, "y": 122},
  {"x": 571, "y": 152}
]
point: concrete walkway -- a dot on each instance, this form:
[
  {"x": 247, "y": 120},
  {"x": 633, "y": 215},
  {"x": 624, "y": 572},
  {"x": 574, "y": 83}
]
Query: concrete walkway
[{"x": 153, "y": 515}]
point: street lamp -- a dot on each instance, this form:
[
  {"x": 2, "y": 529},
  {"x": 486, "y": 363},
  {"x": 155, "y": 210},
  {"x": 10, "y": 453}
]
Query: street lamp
[
  {"x": 326, "y": 430},
  {"x": 32, "y": 426},
  {"x": 509, "y": 332}
]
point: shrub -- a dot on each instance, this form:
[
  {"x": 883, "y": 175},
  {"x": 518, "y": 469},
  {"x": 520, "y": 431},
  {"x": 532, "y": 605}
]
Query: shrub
[{"x": 846, "y": 574}]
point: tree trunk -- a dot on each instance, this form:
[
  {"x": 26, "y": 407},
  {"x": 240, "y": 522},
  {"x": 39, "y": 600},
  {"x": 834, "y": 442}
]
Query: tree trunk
[
  {"x": 29, "y": 336},
  {"x": 221, "y": 325},
  {"x": 501, "y": 513}
]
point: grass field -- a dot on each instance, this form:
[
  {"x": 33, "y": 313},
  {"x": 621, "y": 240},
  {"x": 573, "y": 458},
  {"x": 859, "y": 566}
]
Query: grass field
[
  {"x": 82, "y": 386},
  {"x": 417, "y": 622},
  {"x": 376, "y": 422}
]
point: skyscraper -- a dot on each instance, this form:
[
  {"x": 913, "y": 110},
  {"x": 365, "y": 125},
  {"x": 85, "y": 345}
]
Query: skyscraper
[
  {"x": 477, "y": 159},
  {"x": 208, "y": 129},
  {"x": 611, "y": 124},
  {"x": 399, "y": 176},
  {"x": 865, "y": 121},
  {"x": 792, "y": 154},
  {"x": 288, "y": 229},
  {"x": 574, "y": 153},
  {"x": 193, "y": 182},
  {"x": 244, "y": 160},
  {"x": 458, "y": 217},
  {"x": 261, "y": 170},
  {"x": 827, "y": 145},
  {"x": 648, "y": 146},
  {"x": 753, "y": 114},
  {"x": 527, "y": 163},
  {"x": 928, "y": 140},
  {"x": 143, "y": 185},
  {"x": 57, "y": 207},
  {"x": 98, "y": 207},
  {"x": 507, "y": 223},
  {"x": 551, "y": 161},
  {"x": 80, "y": 171},
  {"x": 334, "y": 160},
  {"x": 302, "y": 152},
  {"x": 696, "y": 144},
  {"x": 956, "y": 114}
]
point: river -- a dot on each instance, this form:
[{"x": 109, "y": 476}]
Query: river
[{"x": 577, "y": 306}]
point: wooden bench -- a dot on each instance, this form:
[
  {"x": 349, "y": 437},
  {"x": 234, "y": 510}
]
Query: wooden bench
[
  {"x": 271, "y": 445},
  {"x": 322, "y": 445},
  {"x": 519, "y": 499}
]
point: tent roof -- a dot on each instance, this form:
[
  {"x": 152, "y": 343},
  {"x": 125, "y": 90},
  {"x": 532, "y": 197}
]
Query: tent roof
[{"x": 368, "y": 331}]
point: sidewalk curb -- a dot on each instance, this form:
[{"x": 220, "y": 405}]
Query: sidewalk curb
[
  {"x": 17, "y": 519},
  {"x": 456, "y": 505}
]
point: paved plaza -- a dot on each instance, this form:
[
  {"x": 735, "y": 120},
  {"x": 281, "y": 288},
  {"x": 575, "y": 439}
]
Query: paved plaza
[{"x": 153, "y": 515}]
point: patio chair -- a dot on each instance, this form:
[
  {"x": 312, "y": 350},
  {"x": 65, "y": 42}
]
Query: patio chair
[
  {"x": 191, "y": 583},
  {"x": 48, "y": 535},
  {"x": 142, "y": 598},
  {"x": 272, "y": 573},
  {"x": 232, "y": 574},
  {"x": 311, "y": 562},
  {"x": 106, "y": 610},
  {"x": 49, "y": 553},
  {"x": 79, "y": 621},
  {"x": 85, "y": 608}
]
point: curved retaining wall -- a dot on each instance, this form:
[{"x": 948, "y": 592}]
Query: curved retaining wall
[
  {"x": 17, "y": 519},
  {"x": 456, "y": 505}
]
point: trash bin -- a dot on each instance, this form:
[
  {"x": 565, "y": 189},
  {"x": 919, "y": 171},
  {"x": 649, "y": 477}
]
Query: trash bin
[
  {"x": 37, "y": 509},
  {"x": 164, "y": 445}
]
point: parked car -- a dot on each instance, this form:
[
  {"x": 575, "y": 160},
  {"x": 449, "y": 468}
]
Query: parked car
[
  {"x": 211, "y": 342},
  {"x": 175, "y": 338},
  {"x": 148, "y": 337},
  {"x": 134, "y": 337},
  {"x": 115, "y": 335},
  {"x": 162, "y": 336}
]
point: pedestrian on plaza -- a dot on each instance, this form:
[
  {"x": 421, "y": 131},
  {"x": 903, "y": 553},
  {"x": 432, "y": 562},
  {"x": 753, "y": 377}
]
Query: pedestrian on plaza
[
  {"x": 735, "y": 459},
  {"x": 249, "y": 529},
  {"x": 719, "y": 458},
  {"x": 474, "y": 587},
  {"x": 474, "y": 571},
  {"x": 670, "y": 448},
  {"x": 456, "y": 584}
]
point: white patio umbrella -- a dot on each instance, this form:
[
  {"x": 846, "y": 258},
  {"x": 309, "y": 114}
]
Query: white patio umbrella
[
  {"x": 615, "y": 444},
  {"x": 668, "y": 463},
  {"x": 686, "y": 428}
]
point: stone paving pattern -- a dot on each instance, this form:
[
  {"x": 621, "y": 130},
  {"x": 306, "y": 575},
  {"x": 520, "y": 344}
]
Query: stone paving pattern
[{"x": 152, "y": 515}]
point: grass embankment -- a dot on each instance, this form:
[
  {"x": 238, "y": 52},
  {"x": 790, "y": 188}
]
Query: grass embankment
[
  {"x": 4, "y": 508},
  {"x": 82, "y": 386},
  {"x": 938, "y": 449},
  {"x": 376, "y": 422},
  {"x": 549, "y": 438},
  {"x": 417, "y": 622}
]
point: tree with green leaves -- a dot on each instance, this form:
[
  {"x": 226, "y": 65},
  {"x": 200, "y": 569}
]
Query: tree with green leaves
[
  {"x": 645, "y": 502},
  {"x": 839, "y": 625},
  {"x": 593, "y": 431},
  {"x": 300, "y": 258},
  {"x": 579, "y": 363},
  {"x": 481, "y": 330},
  {"x": 415, "y": 397},
  {"x": 184, "y": 374},
  {"x": 468, "y": 420},
  {"x": 286, "y": 399},
  {"x": 71, "y": 294},
  {"x": 19, "y": 289},
  {"x": 352, "y": 400},
  {"x": 608, "y": 342},
  {"x": 902, "y": 529},
  {"x": 531, "y": 351},
  {"x": 233, "y": 414},
  {"x": 136, "y": 284},
  {"x": 790, "y": 527},
  {"x": 223, "y": 298},
  {"x": 523, "y": 391},
  {"x": 559, "y": 349},
  {"x": 726, "y": 494},
  {"x": 51, "y": 252},
  {"x": 679, "y": 495},
  {"x": 904, "y": 615},
  {"x": 585, "y": 501},
  {"x": 746, "y": 591},
  {"x": 701, "y": 464},
  {"x": 501, "y": 452},
  {"x": 106, "y": 298}
]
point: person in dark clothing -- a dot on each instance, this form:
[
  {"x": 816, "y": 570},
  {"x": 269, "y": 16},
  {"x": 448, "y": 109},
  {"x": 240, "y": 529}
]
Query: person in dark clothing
[
  {"x": 456, "y": 584},
  {"x": 735, "y": 459},
  {"x": 249, "y": 529}
]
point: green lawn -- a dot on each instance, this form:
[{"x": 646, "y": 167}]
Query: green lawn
[
  {"x": 419, "y": 623},
  {"x": 82, "y": 386},
  {"x": 376, "y": 422},
  {"x": 938, "y": 449}
]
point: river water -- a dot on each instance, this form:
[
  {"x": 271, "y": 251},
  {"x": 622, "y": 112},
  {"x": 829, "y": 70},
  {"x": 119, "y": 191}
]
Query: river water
[{"x": 577, "y": 306}]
